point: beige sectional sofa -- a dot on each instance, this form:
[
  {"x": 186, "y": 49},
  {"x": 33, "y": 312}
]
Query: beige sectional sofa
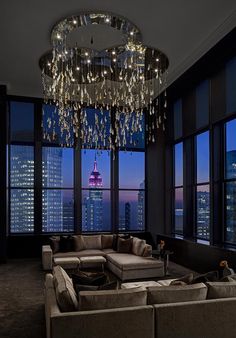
[
  {"x": 135, "y": 264},
  {"x": 137, "y": 313}
]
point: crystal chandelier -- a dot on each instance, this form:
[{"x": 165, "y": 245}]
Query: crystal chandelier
[{"x": 122, "y": 83}]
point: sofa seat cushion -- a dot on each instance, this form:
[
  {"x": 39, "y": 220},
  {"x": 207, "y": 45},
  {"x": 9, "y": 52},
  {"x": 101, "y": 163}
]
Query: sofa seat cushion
[
  {"x": 91, "y": 252},
  {"x": 81, "y": 253},
  {"x": 132, "y": 262},
  {"x": 175, "y": 294},
  {"x": 98, "y": 300},
  {"x": 65, "y": 293},
  {"x": 108, "y": 251}
]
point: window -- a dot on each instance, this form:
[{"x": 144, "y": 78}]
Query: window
[
  {"x": 21, "y": 188},
  {"x": 178, "y": 188},
  {"x": 96, "y": 195},
  {"x": 202, "y": 187},
  {"x": 178, "y": 119},
  {"x": 131, "y": 191},
  {"x": 22, "y": 121},
  {"x": 230, "y": 181},
  {"x": 57, "y": 194}
]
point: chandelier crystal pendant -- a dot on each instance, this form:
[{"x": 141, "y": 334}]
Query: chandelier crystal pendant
[{"x": 122, "y": 82}]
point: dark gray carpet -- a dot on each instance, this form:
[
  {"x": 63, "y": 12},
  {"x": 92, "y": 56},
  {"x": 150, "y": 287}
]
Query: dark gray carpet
[{"x": 21, "y": 298}]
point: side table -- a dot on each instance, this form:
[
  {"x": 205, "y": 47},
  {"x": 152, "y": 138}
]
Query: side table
[{"x": 165, "y": 255}]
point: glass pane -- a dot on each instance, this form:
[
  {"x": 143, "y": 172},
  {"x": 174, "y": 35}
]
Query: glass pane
[
  {"x": 230, "y": 212},
  {"x": 22, "y": 210},
  {"x": 178, "y": 164},
  {"x": 202, "y": 104},
  {"x": 96, "y": 210},
  {"x": 58, "y": 210},
  {"x": 22, "y": 166},
  {"x": 131, "y": 169},
  {"x": 57, "y": 166},
  {"x": 230, "y": 74},
  {"x": 203, "y": 212},
  {"x": 95, "y": 169},
  {"x": 22, "y": 121},
  {"x": 96, "y": 120},
  {"x": 230, "y": 165},
  {"x": 179, "y": 212},
  {"x": 52, "y": 132},
  {"x": 203, "y": 157},
  {"x": 131, "y": 210},
  {"x": 178, "y": 119}
]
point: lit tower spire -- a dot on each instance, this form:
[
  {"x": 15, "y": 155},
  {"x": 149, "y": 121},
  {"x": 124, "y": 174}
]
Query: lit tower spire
[{"x": 95, "y": 179}]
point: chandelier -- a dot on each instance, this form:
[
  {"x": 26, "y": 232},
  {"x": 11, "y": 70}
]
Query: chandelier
[{"x": 122, "y": 83}]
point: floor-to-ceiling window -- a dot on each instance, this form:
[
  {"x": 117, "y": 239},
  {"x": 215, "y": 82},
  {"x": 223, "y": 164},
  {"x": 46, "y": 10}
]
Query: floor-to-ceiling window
[
  {"x": 21, "y": 178},
  {"x": 230, "y": 181},
  {"x": 178, "y": 188},
  {"x": 202, "y": 186},
  {"x": 76, "y": 185}
]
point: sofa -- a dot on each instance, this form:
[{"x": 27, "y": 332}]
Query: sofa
[
  {"x": 156, "y": 312},
  {"x": 128, "y": 258}
]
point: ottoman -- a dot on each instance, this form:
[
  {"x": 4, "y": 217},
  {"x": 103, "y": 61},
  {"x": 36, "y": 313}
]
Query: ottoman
[
  {"x": 67, "y": 262},
  {"x": 92, "y": 261}
]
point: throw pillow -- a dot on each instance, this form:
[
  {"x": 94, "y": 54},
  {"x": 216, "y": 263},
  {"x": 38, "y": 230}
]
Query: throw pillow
[
  {"x": 107, "y": 241},
  {"x": 65, "y": 293},
  {"x": 138, "y": 246},
  {"x": 147, "y": 251},
  {"x": 187, "y": 279},
  {"x": 211, "y": 276},
  {"x": 124, "y": 245},
  {"x": 66, "y": 244},
  {"x": 55, "y": 243},
  {"x": 79, "y": 244},
  {"x": 93, "y": 242}
]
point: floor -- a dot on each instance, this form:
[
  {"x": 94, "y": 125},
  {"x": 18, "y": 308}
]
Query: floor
[{"x": 21, "y": 298}]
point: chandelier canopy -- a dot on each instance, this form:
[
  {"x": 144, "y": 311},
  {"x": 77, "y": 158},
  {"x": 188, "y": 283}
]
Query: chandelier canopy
[{"x": 121, "y": 82}]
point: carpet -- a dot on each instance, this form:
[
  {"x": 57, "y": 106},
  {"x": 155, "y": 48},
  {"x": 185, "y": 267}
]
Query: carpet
[{"x": 22, "y": 299}]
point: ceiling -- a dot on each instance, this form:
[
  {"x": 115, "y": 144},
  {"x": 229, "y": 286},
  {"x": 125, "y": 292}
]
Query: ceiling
[{"x": 183, "y": 29}]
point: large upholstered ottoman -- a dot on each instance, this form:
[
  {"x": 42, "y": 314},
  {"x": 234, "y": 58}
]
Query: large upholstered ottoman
[{"x": 129, "y": 266}]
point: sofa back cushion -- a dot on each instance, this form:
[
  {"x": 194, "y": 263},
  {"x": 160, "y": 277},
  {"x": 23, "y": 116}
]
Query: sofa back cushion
[
  {"x": 138, "y": 246},
  {"x": 93, "y": 242},
  {"x": 107, "y": 241},
  {"x": 175, "y": 294},
  {"x": 108, "y": 299},
  {"x": 79, "y": 243},
  {"x": 65, "y": 293},
  {"x": 221, "y": 289}
]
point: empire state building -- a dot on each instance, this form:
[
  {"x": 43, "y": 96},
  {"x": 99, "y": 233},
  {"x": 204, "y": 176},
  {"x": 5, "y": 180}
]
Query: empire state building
[{"x": 93, "y": 204}]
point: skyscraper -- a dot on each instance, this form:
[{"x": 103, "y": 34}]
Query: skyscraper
[
  {"x": 22, "y": 200},
  {"x": 141, "y": 201},
  {"x": 92, "y": 208},
  {"x": 230, "y": 196}
]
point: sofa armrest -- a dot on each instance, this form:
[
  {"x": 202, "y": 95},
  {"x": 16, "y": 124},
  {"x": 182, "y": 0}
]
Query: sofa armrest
[
  {"x": 47, "y": 257},
  {"x": 147, "y": 251}
]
